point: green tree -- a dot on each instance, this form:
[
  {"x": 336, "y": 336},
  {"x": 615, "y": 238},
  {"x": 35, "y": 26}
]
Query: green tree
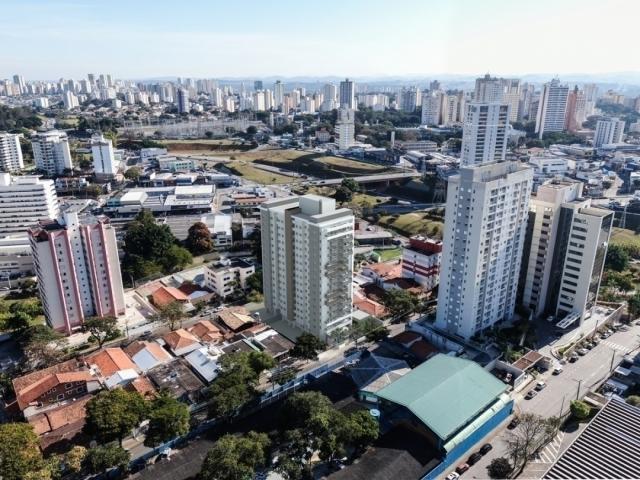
[
  {"x": 236, "y": 382},
  {"x": 499, "y": 468},
  {"x": 581, "y": 410},
  {"x": 18, "y": 321},
  {"x": 236, "y": 457},
  {"x": 400, "y": 302},
  {"x": 350, "y": 184},
  {"x": 633, "y": 400},
  {"x": 74, "y": 458},
  {"x": 29, "y": 288},
  {"x": 42, "y": 346},
  {"x": 254, "y": 281},
  {"x": 171, "y": 314},
  {"x": 620, "y": 281},
  {"x": 168, "y": 418},
  {"x": 307, "y": 347},
  {"x": 361, "y": 429},
  {"x": 633, "y": 305},
  {"x": 101, "y": 328},
  {"x": 19, "y": 451},
  {"x": 617, "y": 258},
  {"x": 252, "y": 130},
  {"x": 176, "y": 258},
  {"x": 112, "y": 414},
  {"x": 132, "y": 174},
  {"x": 369, "y": 327},
  {"x": 104, "y": 457},
  {"x": 199, "y": 239},
  {"x": 343, "y": 194}
]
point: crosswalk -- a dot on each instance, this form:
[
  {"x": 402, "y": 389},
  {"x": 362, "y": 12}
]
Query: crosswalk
[
  {"x": 549, "y": 453},
  {"x": 620, "y": 348}
]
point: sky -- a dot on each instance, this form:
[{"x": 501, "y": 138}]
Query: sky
[{"x": 136, "y": 39}]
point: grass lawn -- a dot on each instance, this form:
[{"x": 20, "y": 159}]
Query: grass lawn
[
  {"x": 364, "y": 200},
  {"x": 248, "y": 171},
  {"x": 272, "y": 155},
  {"x": 351, "y": 164},
  {"x": 413, "y": 223},
  {"x": 624, "y": 236},
  {"x": 391, "y": 254}
]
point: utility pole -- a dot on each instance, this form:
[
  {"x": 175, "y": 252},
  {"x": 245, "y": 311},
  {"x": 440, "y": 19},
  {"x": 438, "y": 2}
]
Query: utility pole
[
  {"x": 613, "y": 357},
  {"x": 578, "y": 392}
]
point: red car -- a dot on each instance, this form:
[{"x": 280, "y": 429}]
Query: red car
[{"x": 463, "y": 467}]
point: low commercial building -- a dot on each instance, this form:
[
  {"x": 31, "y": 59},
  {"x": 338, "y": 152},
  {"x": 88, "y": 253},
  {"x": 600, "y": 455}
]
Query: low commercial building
[
  {"x": 421, "y": 261},
  {"x": 606, "y": 448},
  {"x": 451, "y": 402},
  {"x": 224, "y": 278},
  {"x": 181, "y": 342},
  {"x": 147, "y": 355},
  {"x": 177, "y": 379},
  {"x": 180, "y": 199},
  {"x": 174, "y": 164}
]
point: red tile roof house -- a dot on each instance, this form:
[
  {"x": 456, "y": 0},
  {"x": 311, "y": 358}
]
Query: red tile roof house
[
  {"x": 113, "y": 366},
  {"x": 53, "y": 399},
  {"x": 164, "y": 295},
  {"x": 181, "y": 342},
  {"x": 147, "y": 355},
  {"x": 207, "y": 332}
]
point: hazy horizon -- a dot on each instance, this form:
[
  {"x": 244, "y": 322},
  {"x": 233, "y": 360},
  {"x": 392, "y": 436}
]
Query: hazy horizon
[{"x": 411, "y": 38}]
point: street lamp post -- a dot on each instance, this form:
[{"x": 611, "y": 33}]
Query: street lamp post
[{"x": 579, "y": 386}]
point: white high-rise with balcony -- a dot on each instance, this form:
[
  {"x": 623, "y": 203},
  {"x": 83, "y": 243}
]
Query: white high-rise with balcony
[
  {"x": 10, "y": 152},
  {"x": 485, "y": 224},
  {"x": 51, "y": 152},
  {"x": 24, "y": 200},
  {"x": 608, "y": 131},
  {"x": 104, "y": 160},
  {"x": 348, "y": 94},
  {"x": 78, "y": 270},
  {"x": 307, "y": 260},
  {"x": 552, "y": 108},
  {"x": 345, "y": 128}
]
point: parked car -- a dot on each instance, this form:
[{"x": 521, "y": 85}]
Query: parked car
[
  {"x": 486, "y": 448},
  {"x": 530, "y": 394},
  {"x": 557, "y": 370},
  {"x": 515, "y": 421},
  {"x": 624, "y": 328},
  {"x": 540, "y": 386},
  {"x": 453, "y": 476},
  {"x": 573, "y": 358},
  {"x": 588, "y": 345},
  {"x": 582, "y": 351},
  {"x": 463, "y": 467},
  {"x": 473, "y": 458}
]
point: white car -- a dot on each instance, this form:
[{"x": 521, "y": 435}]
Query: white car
[{"x": 453, "y": 476}]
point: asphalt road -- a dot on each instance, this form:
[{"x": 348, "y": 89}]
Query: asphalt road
[{"x": 588, "y": 372}]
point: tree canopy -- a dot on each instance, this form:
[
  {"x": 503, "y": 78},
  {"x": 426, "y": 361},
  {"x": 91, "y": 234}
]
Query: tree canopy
[
  {"x": 307, "y": 347},
  {"x": 101, "y": 328},
  {"x": 236, "y": 382},
  {"x": 103, "y": 457},
  {"x": 19, "y": 451},
  {"x": 172, "y": 314},
  {"x": 112, "y": 414},
  {"x": 499, "y": 468},
  {"x": 400, "y": 302},
  {"x": 168, "y": 418},
  {"x": 18, "y": 118},
  {"x": 235, "y": 457},
  {"x": 617, "y": 257},
  {"x": 151, "y": 248},
  {"x": 581, "y": 410},
  {"x": 199, "y": 239}
]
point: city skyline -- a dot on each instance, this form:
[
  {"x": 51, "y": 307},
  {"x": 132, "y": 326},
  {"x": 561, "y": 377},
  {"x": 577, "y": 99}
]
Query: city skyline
[{"x": 68, "y": 38}]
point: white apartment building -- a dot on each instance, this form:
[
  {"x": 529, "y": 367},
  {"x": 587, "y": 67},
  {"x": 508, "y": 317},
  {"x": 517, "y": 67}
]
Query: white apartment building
[
  {"x": 608, "y": 131},
  {"x": 70, "y": 100},
  {"x": 489, "y": 89},
  {"x": 421, "y": 261},
  {"x": 104, "y": 160},
  {"x": 409, "y": 99},
  {"x": 78, "y": 270},
  {"x": 10, "y": 152},
  {"x": 345, "y": 128},
  {"x": 453, "y": 109},
  {"x": 347, "y": 95},
  {"x": 432, "y": 108},
  {"x": 51, "y": 152},
  {"x": 278, "y": 93},
  {"x": 552, "y": 108},
  {"x": 485, "y": 225},
  {"x": 182, "y": 99},
  {"x": 24, "y": 200},
  {"x": 224, "y": 278},
  {"x": 548, "y": 165},
  {"x": 307, "y": 259},
  {"x": 565, "y": 250},
  {"x": 484, "y": 138}
]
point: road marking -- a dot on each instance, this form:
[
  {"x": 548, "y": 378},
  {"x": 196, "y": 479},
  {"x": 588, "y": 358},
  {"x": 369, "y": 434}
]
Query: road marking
[
  {"x": 616, "y": 346},
  {"x": 550, "y": 452}
]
